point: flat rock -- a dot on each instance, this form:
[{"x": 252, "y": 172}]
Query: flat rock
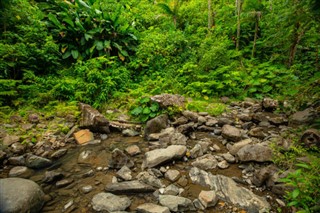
[
  {"x": 10, "y": 139},
  {"x": 205, "y": 162},
  {"x": 129, "y": 187},
  {"x": 166, "y": 100},
  {"x": 155, "y": 125},
  {"x": 172, "y": 175},
  {"x": 119, "y": 159},
  {"x": 92, "y": 119},
  {"x": 36, "y": 162},
  {"x": 124, "y": 173},
  {"x": 152, "y": 208},
  {"x": 303, "y": 117},
  {"x": 83, "y": 136},
  {"x": 130, "y": 133},
  {"x": 150, "y": 178},
  {"x": 255, "y": 152},
  {"x": 109, "y": 202},
  {"x": 176, "y": 203},
  {"x": 19, "y": 195},
  {"x": 231, "y": 133},
  {"x": 233, "y": 149},
  {"x": 159, "y": 156},
  {"x": 208, "y": 198},
  {"x": 191, "y": 116},
  {"x": 133, "y": 150},
  {"x": 59, "y": 153},
  {"x": 20, "y": 171},
  {"x": 227, "y": 190}
]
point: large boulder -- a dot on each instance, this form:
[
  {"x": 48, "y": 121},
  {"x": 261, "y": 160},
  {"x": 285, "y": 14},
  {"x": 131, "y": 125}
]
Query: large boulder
[
  {"x": 255, "y": 152},
  {"x": 227, "y": 190},
  {"x": 109, "y": 202},
  {"x": 159, "y": 156},
  {"x": 92, "y": 119},
  {"x": 230, "y": 132},
  {"x": 155, "y": 125},
  {"x": 303, "y": 117},
  {"x": 18, "y": 195}
]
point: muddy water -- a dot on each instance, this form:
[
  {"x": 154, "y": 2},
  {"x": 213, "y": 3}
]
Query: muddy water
[{"x": 95, "y": 172}]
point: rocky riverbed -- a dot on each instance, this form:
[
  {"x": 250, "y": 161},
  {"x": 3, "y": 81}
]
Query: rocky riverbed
[{"x": 192, "y": 162}]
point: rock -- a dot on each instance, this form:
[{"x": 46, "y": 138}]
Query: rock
[
  {"x": 64, "y": 182},
  {"x": 128, "y": 187},
  {"x": 186, "y": 128},
  {"x": 10, "y": 139},
  {"x": 171, "y": 190},
  {"x": 212, "y": 122},
  {"x": 245, "y": 117},
  {"x": 51, "y": 176},
  {"x": 255, "y": 152},
  {"x": 152, "y": 208},
  {"x": 262, "y": 175},
  {"x": 201, "y": 120},
  {"x": 204, "y": 128},
  {"x": 278, "y": 119},
  {"x": 223, "y": 164},
  {"x": 109, "y": 202},
  {"x": 17, "y": 148},
  {"x": 155, "y": 125},
  {"x": 198, "y": 204},
  {"x": 17, "y": 161},
  {"x": 130, "y": 133},
  {"x": 230, "y": 132},
  {"x": 191, "y": 116},
  {"x": 258, "y": 132},
  {"x": 59, "y": 153},
  {"x": 21, "y": 171},
  {"x": 34, "y": 118},
  {"x": 180, "y": 121},
  {"x": 205, "y": 162},
  {"x": 119, "y": 159},
  {"x": 228, "y": 191},
  {"x": 133, "y": 150},
  {"x": 311, "y": 138},
  {"x": 19, "y": 195},
  {"x": 233, "y": 149},
  {"x": 86, "y": 189},
  {"x": 228, "y": 157},
  {"x": 260, "y": 117},
  {"x": 2, "y": 155},
  {"x": 166, "y": 100},
  {"x": 269, "y": 104},
  {"x": 196, "y": 151},
  {"x": 150, "y": 179},
  {"x": 124, "y": 173},
  {"x": 165, "y": 133},
  {"x": 303, "y": 117},
  {"x": 178, "y": 139},
  {"x": 176, "y": 203},
  {"x": 159, "y": 156},
  {"x": 83, "y": 136},
  {"x": 92, "y": 119},
  {"x": 172, "y": 175},
  {"x": 208, "y": 198},
  {"x": 223, "y": 121},
  {"x": 87, "y": 157},
  {"x": 36, "y": 162}
]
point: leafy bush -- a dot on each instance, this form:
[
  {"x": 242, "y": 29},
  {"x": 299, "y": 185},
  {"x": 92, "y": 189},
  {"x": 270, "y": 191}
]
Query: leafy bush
[{"x": 145, "y": 109}]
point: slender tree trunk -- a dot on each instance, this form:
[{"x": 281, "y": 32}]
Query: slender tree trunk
[
  {"x": 255, "y": 34},
  {"x": 210, "y": 20},
  {"x": 295, "y": 43},
  {"x": 238, "y": 3}
]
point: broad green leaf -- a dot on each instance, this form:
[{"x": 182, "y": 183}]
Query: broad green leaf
[
  {"x": 107, "y": 44},
  {"x": 68, "y": 21},
  {"x": 75, "y": 54},
  {"x": 154, "y": 107},
  {"x": 55, "y": 21},
  {"x": 87, "y": 36},
  {"x": 302, "y": 165},
  {"x": 295, "y": 193},
  {"x": 66, "y": 55},
  {"x": 124, "y": 53},
  {"x": 136, "y": 111},
  {"x": 144, "y": 118},
  {"x": 79, "y": 24},
  {"x": 83, "y": 4},
  {"x": 144, "y": 100},
  {"x": 99, "y": 45},
  {"x": 146, "y": 110}
]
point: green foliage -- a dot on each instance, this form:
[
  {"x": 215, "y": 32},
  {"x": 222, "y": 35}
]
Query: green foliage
[
  {"x": 146, "y": 109},
  {"x": 213, "y": 108}
]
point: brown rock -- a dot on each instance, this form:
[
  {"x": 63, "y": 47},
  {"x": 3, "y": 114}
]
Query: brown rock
[
  {"x": 231, "y": 132},
  {"x": 93, "y": 119},
  {"x": 83, "y": 136},
  {"x": 311, "y": 138}
]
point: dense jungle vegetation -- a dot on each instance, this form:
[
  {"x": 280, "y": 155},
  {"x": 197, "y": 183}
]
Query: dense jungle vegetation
[{"x": 97, "y": 50}]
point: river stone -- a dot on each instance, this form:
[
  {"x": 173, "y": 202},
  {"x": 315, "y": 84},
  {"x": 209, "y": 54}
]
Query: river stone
[
  {"x": 205, "y": 162},
  {"x": 36, "y": 162},
  {"x": 171, "y": 190},
  {"x": 208, "y": 198},
  {"x": 223, "y": 164},
  {"x": 303, "y": 117},
  {"x": 109, "y": 202},
  {"x": 130, "y": 133},
  {"x": 10, "y": 139},
  {"x": 233, "y": 149},
  {"x": 159, "y": 156},
  {"x": 2, "y": 155},
  {"x": 255, "y": 152},
  {"x": 166, "y": 100},
  {"x": 262, "y": 175},
  {"x": 124, "y": 173},
  {"x": 178, "y": 139},
  {"x": 17, "y": 148},
  {"x": 64, "y": 182},
  {"x": 83, "y": 136},
  {"x": 186, "y": 128},
  {"x": 228, "y": 191},
  {"x": 192, "y": 116},
  {"x": 17, "y": 160},
  {"x": 211, "y": 122},
  {"x": 228, "y": 157},
  {"x": 128, "y": 187},
  {"x": 87, "y": 157},
  {"x": 93, "y": 119},
  {"x": 19, "y": 195},
  {"x": 176, "y": 203},
  {"x": 150, "y": 178},
  {"x": 180, "y": 121},
  {"x": 119, "y": 159},
  {"x": 269, "y": 104},
  {"x": 172, "y": 175},
  {"x": 20, "y": 171},
  {"x": 133, "y": 150},
  {"x": 258, "y": 132},
  {"x": 230, "y": 132},
  {"x": 311, "y": 138},
  {"x": 59, "y": 153},
  {"x": 152, "y": 208},
  {"x": 155, "y": 125},
  {"x": 51, "y": 176},
  {"x": 86, "y": 189}
]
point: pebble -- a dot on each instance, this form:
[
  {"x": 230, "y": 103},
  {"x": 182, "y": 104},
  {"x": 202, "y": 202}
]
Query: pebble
[{"x": 86, "y": 189}]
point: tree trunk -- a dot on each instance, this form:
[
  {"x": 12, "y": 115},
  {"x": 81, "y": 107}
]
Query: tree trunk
[
  {"x": 210, "y": 20},
  {"x": 295, "y": 43},
  {"x": 255, "y": 34},
  {"x": 238, "y": 3}
]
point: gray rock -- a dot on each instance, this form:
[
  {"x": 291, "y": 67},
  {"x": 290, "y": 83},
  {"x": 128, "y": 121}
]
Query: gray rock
[
  {"x": 166, "y": 100},
  {"x": 223, "y": 164},
  {"x": 133, "y": 150},
  {"x": 228, "y": 157},
  {"x": 227, "y": 190},
  {"x": 171, "y": 190},
  {"x": 196, "y": 151},
  {"x": 10, "y": 139},
  {"x": 255, "y": 152},
  {"x": 176, "y": 203},
  {"x": 258, "y": 132},
  {"x": 59, "y": 153},
  {"x": 172, "y": 175},
  {"x": 119, "y": 159},
  {"x": 109, "y": 202},
  {"x": 17, "y": 161},
  {"x": 19, "y": 195},
  {"x": 87, "y": 157},
  {"x": 230, "y": 132},
  {"x": 270, "y": 104},
  {"x": 86, "y": 189},
  {"x": 178, "y": 139},
  {"x": 124, "y": 173},
  {"x": 17, "y": 148},
  {"x": 51, "y": 176},
  {"x": 93, "y": 119},
  {"x": 191, "y": 116},
  {"x": 130, "y": 133},
  {"x": 2, "y": 155},
  {"x": 262, "y": 175},
  {"x": 211, "y": 122},
  {"x": 245, "y": 117},
  {"x": 152, "y": 208},
  {"x": 150, "y": 178},
  {"x": 205, "y": 162},
  {"x": 201, "y": 120},
  {"x": 155, "y": 125},
  {"x": 36, "y": 162},
  {"x": 233, "y": 149},
  {"x": 159, "y": 156},
  {"x": 186, "y": 128},
  {"x": 198, "y": 204},
  {"x": 208, "y": 198},
  {"x": 21, "y": 171},
  {"x": 180, "y": 121},
  {"x": 64, "y": 182},
  {"x": 128, "y": 187},
  {"x": 303, "y": 117}
]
